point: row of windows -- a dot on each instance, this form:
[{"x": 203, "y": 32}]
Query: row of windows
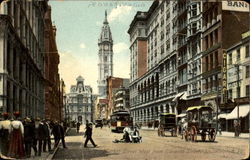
[
  {"x": 238, "y": 54},
  {"x": 238, "y": 91}
]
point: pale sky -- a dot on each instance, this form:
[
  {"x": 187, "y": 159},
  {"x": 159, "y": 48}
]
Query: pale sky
[{"x": 79, "y": 25}]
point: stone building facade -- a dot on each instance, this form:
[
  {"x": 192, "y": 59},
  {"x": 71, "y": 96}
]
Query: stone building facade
[
  {"x": 105, "y": 54},
  {"x": 184, "y": 41},
  {"x": 121, "y": 99},
  {"x": 237, "y": 81},
  {"x": 22, "y": 50},
  {"x": 79, "y": 102},
  {"x": 153, "y": 91}
]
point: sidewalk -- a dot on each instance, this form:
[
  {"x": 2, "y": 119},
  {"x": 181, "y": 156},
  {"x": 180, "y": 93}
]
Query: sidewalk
[
  {"x": 223, "y": 133},
  {"x": 47, "y": 155},
  {"x": 231, "y": 134}
]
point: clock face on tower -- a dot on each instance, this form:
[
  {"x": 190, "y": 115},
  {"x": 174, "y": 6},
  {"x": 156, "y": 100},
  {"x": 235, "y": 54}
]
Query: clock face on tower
[{"x": 106, "y": 47}]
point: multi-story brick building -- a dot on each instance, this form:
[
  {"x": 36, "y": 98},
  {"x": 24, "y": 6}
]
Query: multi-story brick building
[
  {"x": 223, "y": 24},
  {"x": 113, "y": 84},
  {"x": 52, "y": 80},
  {"x": 22, "y": 30},
  {"x": 153, "y": 91},
  {"x": 184, "y": 54}
]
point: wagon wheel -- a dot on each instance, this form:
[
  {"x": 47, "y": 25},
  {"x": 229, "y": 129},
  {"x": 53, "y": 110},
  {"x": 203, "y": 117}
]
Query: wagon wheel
[
  {"x": 193, "y": 134},
  {"x": 186, "y": 135},
  {"x": 159, "y": 132},
  {"x": 175, "y": 131},
  {"x": 203, "y": 135},
  {"x": 163, "y": 132},
  {"x": 211, "y": 135}
]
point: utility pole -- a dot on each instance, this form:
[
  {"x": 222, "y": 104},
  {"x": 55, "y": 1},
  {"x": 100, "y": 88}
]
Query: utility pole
[{"x": 238, "y": 94}]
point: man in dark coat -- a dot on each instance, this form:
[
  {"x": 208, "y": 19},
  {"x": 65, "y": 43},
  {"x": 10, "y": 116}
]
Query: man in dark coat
[
  {"x": 88, "y": 135},
  {"x": 5, "y": 130},
  {"x": 40, "y": 134},
  {"x": 47, "y": 136},
  {"x": 62, "y": 134},
  {"x": 78, "y": 127},
  {"x": 56, "y": 133},
  {"x": 29, "y": 137}
]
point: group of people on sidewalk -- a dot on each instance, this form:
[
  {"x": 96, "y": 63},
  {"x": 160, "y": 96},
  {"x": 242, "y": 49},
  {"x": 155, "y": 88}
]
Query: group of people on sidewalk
[{"x": 18, "y": 136}]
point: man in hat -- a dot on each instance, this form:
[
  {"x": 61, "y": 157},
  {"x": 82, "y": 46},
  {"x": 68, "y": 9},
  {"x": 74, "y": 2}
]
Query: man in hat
[
  {"x": 29, "y": 136},
  {"x": 47, "y": 138},
  {"x": 5, "y": 129},
  {"x": 40, "y": 134},
  {"x": 88, "y": 135}
]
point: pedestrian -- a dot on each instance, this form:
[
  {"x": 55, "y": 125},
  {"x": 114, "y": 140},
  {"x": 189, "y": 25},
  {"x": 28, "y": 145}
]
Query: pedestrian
[
  {"x": 78, "y": 126},
  {"x": 88, "y": 135},
  {"x": 56, "y": 133},
  {"x": 219, "y": 127},
  {"x": 40, "y": 134},
  {"x": 34, "y": 140},
  {"x": 47, "y": 139},
  {"x": 5, "y": 130},
  {"x": 62, "y": 134},
  {"x": 236, "y": 128},
  {"x": 29, "y": 136},
  {"x": 16, "y": 147}
]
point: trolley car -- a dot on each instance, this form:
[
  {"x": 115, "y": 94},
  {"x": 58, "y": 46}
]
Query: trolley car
[{"x": 120, "y": 120}]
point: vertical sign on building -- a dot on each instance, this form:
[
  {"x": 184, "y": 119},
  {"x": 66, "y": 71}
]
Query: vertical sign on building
[{"x": 224, "y": 77}]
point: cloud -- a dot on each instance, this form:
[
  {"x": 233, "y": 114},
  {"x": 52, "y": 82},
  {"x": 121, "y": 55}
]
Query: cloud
[
  {"x": 120, "y": 47},
  {"x": 98, "y": 23},
  {"x": 119, "y": 13},
  {"x": 71, "y": 66},
  {"x": 82, "y": 45}
]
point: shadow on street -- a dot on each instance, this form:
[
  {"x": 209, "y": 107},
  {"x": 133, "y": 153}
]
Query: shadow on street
[{"x": 72, "y": 132}]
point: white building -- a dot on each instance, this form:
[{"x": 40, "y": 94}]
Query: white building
[
  {"x": 153, "y": 84},
  {"x": 105, "y": 65},
  {"x": 79, "y": 102},
  {"x": 171, "y": 78},
  {"x": 238, "y": 55}
]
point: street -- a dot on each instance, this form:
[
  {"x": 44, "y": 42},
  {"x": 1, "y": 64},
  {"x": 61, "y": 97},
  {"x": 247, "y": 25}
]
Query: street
[{"x": 152, "y": 147}]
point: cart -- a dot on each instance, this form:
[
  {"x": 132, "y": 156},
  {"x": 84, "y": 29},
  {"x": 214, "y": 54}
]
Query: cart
[
  {"x": 199, "y": 122},
  {"x": 167, "y": 124}
]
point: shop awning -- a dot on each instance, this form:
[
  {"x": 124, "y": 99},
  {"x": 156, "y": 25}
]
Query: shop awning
[
  {"x": 222, "y": 115},
  {"x": 184, "y": 96},
  {"x": 177, "y": 96},
  {"x": 243, "y": 112},
  {"x": 181, "y": 115}
]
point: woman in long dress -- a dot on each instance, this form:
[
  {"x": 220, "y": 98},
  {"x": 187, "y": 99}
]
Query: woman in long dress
[{"x": 16, "y": 147}]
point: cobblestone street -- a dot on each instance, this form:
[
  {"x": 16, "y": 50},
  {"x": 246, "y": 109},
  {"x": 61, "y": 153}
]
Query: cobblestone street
[{"x": 152, "y": 147}]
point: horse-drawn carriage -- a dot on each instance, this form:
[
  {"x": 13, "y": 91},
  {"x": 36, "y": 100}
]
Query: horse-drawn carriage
[
  {"x": 200, "y": 121},
  {"x": 167, "y": 124}
]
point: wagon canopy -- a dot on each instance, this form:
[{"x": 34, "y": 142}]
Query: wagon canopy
[
  {"x": 198, "y": 108},
  {"x": 167, "y": 114}
]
